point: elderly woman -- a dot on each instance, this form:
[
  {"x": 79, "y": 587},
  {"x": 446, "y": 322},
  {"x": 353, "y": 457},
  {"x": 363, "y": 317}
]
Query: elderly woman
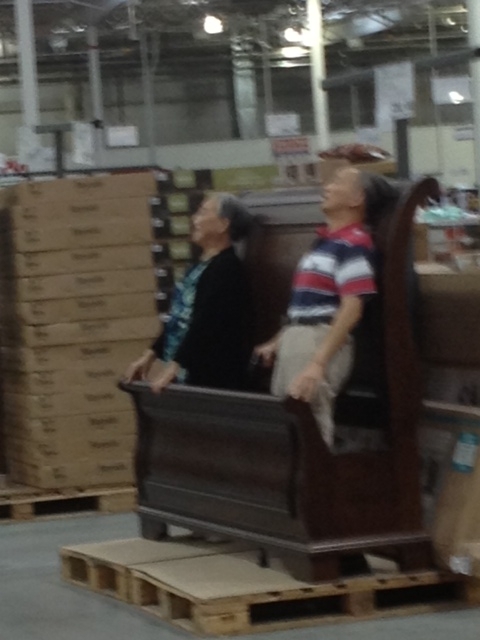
[{"x": 206, "y": 340}]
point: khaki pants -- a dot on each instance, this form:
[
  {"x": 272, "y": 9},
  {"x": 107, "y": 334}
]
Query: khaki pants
[{"x": 298, "y": 345}]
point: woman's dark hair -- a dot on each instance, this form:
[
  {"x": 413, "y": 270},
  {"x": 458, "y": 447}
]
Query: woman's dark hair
[{"x": 241, "y": 220}]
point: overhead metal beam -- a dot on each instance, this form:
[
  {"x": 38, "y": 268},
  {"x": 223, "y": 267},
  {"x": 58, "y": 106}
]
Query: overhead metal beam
[
  {"x": 360, "y": 76},
  {"x": 107, "y": 7}
]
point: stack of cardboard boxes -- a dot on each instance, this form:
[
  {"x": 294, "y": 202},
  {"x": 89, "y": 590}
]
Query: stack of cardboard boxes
[{"x": 77, "y": 299}]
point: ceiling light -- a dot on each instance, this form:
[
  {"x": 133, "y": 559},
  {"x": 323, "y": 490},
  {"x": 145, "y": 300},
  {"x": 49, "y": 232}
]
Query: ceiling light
[
  {"x": 292, "y": 35},
  {"x": 294, "y": 52},
  {"x": 456, "y": 97},
  {"x": 450, "y": 22},
  {"x": 307, "y": 38},
  {"x": 213, "y": 25}
]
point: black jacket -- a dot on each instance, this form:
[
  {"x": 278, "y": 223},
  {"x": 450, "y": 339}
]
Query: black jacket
[{"x": 216, "y": 349}]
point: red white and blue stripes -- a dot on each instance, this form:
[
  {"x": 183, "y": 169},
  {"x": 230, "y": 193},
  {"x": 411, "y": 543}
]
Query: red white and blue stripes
[{"x": 340, "y": 264}]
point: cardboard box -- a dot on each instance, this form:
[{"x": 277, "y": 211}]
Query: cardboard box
[
  {"x": 454, "y": 477},
  {"x": 80, "y": 475},
  {"x": 420, "y": 243},
  {"x": 95, "y": 354},
  {"x": 76, "y": 285},
  {"x": 80, "y": 235},
  {"x": 449, "y": 316},
  {"x": 51, "y": 263},
  {"x": 86, "y": 400},
  {"x": 88, "y": 308},
  {"x": 61, "y": 381},
  {"x": 88, "y": 212},
  {"x": 97, "y": 426},
  {"x": 69, "y": 447},
  {"x": 126, "y": 185},
  {"x": 453, "y": 385},
  {"x": 85, "y": 332}
]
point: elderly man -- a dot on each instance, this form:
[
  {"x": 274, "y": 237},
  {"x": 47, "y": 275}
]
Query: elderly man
[
  {"x": 333, "y": 282},
  {"x": 206, "y": 340}
]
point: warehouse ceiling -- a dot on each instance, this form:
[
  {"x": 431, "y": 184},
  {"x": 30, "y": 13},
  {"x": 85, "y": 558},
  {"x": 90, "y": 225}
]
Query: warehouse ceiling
[{"x": 357, "y": 31}]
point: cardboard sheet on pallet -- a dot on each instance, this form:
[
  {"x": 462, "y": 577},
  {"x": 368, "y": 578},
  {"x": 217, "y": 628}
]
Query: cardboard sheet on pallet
[
  {"x": 221, "y": 576},
  {"x": 238, "y": 575},
  {"x": 52, "y": 263},
  {"x": 137, "y": 551}
]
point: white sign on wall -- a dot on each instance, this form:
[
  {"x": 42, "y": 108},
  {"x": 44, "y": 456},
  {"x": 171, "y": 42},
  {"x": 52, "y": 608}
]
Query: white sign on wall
[
  {"x": 279, "y": 125},
  {"x": 83, "y": 144},
  {"x": 126, "y": 136},
  {"x": 29, "y": 148},
  {"x": 394, "y": 93},
  {"x": 464, "y": 132},
  {"x": 451, "y": 90}
]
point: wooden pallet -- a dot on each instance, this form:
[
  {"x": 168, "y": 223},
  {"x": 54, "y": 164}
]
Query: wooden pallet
[
  {"x": 230, "y": 595},
  {"x": 18, "y": 503},
  {"x": 105, "y": 567}
]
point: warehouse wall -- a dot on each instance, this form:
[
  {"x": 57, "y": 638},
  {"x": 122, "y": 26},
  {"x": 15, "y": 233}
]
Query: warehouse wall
[
  {"x": 456, "y": 162},
  {"x": 196, "y": 127}
]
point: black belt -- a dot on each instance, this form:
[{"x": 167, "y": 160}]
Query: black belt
[{"x": 308, "y": 322}]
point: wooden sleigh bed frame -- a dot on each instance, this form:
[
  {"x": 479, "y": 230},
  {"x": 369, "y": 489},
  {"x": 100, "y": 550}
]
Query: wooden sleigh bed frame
[{"x": 252, "y": 467}]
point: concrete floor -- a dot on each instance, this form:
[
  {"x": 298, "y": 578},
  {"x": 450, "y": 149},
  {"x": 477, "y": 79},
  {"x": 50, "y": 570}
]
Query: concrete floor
[{"x": 36, "y": 605}]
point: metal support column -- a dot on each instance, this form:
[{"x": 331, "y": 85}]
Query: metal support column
[
  {"x": 59, "y": 131},
  {"x": 403, "y": 158},
  {"x": 267, "y": 71},
  {"x": 27, "y": 62},
  {"x": 318, "y": 73},
  {"x": 245, "y": 89},
  {"x": 473, "y": 7},
  {"x": 148, "y": 98},
  {"x": 95, "y": 77}
]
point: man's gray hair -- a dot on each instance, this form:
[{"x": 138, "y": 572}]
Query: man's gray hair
[{"x": 241, "y": 220}]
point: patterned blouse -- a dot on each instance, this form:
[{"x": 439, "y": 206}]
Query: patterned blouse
[{"x": 181, "y": 311}]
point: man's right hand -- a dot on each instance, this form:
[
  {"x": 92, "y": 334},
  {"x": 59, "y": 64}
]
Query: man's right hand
[
  {"x": 139, "y": 369},
  {"x": 267, "y": 352}
]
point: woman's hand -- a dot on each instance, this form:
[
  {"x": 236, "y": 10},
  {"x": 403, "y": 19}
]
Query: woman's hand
[
  {"x": 139, "y": 369},
  {"x": 168, "y": 376}
]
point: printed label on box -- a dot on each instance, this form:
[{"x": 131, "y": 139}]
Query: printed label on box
[
  {"x": 184, "y": 179},
  {"x": 180, "y": 226},
  {"x": 178, "y": 203},
  {"x": 465, "y": 454}
]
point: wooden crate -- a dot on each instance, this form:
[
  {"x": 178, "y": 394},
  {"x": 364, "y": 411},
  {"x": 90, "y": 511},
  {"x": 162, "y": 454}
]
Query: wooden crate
[
  {"x": 230, "y": 595},
  {"x": 105, "y": 567},
  {"x": 18, "y": 503}
]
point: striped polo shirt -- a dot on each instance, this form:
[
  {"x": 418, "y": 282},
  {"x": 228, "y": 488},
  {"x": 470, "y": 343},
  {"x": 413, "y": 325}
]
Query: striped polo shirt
[{"x": 341, "y": 263}]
